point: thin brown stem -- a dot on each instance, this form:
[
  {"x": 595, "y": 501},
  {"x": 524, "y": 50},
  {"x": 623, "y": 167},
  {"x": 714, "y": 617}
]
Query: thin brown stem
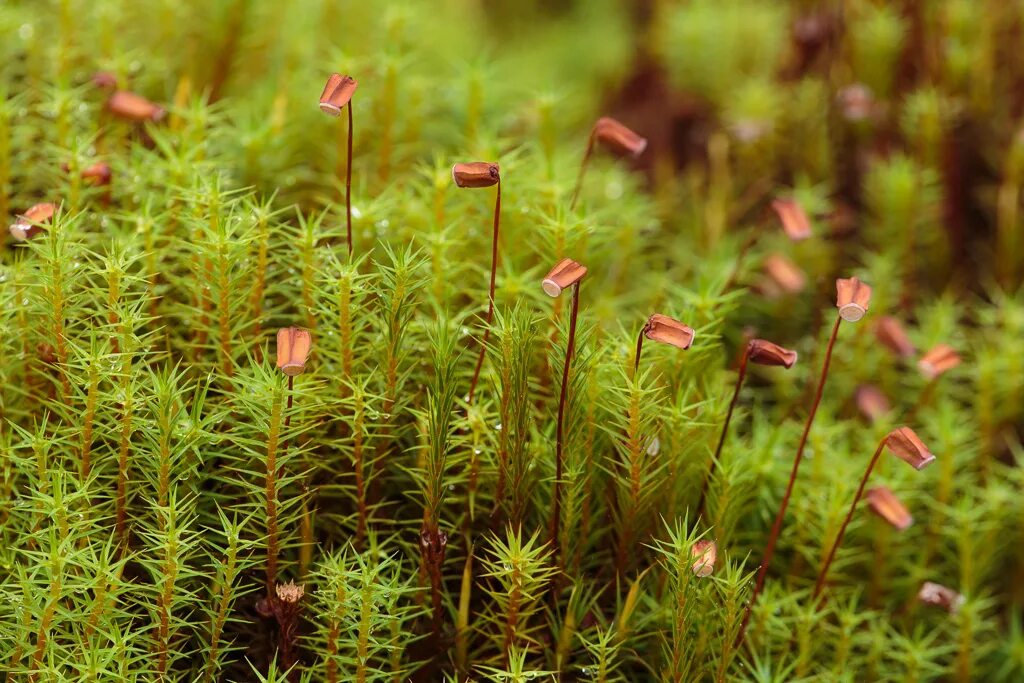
[
  {"x": 271, "y": 491},
  {"x": 583, "y": 170},
  {"x": 721, "y": 438},
  {"x": 490, "y": 294},
  {"x": 773, "y": 537},
  {"x": 556, "y": 515},
  {"x": 846, "y": 522},
  {"x": 639, "y": 350},
  {"x": 348, "y": 183}
]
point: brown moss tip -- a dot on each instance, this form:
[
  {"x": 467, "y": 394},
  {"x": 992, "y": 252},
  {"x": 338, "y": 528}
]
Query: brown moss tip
[
  {"x": 565, "y": 274},
  {"x": 666, "y": 330},
  {"x": 30, "y": 223},
  {"x": 293, "y": 346},
  {"x": 617, "y": 137},
  {"x": 476, "y": 174},
  {"x": 795, "y": 222},
  {"x": 884, "y": 503},
  {"x": 337, "y": 93},
  {"x": 852, "y": 298}
]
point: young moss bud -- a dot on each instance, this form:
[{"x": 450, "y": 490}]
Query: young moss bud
[
  {"x": 289, "y": 592},
  {"x": 661, "y": 328},
  {"x": 764, "y": 352},
  {"x": 906, "y": 446},
  {"x": 133, "y": 107},
  {"x": 293, "y": 345},
  {"x": 706, "y": 554},
  {"x": 30, "y": 223},
  {"x": 852, "y": 298},
  {"x": 565, "y": 274},
  {"x": 938, "y": 361},
  {"x": 794, "y": 219},
  {"x": 97, "y": 174},
  {"x": 337, "y": 93},
  {"x": 884, "y": 503},
  {"x": 784, "y": 274},
  {"x": 937, "y": 595},
  {"x": 618, "y": 138},
  {"x": 104, "y": 80},
  {"x": 890, "y": 333},
  {"x": 476, "y": 174},
  {"x": 871, "y": 402},
  {"x": 857, "y": 102}
]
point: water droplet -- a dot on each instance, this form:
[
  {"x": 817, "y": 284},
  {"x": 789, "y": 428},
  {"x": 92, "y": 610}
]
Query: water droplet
[
  {"x": 25, "y": 31},
  {"x": 497, "y": 427},
  {"x": 477, "y": 451}
]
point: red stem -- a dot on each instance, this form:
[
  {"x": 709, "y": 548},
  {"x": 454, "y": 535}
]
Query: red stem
[
  {"x": 556, "y": 517},
  {"x": 490, "y": 295},
  {"x": 639, "y": 349},
  {"x": 348, "y": 183},
  {"x": 725, "y": 430},
  {"x": 583, "y": 170},
  {"x": 849, "y": 515},
  {"x": 769, "y": 550}
]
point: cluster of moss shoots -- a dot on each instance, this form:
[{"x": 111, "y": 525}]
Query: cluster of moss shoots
[{"x": 335, "y": 430}]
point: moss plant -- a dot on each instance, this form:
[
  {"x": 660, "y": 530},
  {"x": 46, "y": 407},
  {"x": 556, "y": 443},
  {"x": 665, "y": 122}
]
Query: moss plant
[{"x": 233, "y": 448}]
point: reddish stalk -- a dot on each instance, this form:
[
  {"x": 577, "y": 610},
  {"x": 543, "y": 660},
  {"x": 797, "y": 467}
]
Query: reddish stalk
[
  {"x": 906, "y": 446},
  {"x": 348, "y": 184},
  {"x": 639, "y": 349},
  {"x": 337, "y": 95},
  {"x": 721, "y": 439},
  {"x": 773, "y": 537},
  {"x": 556, "y": 516},
  {"x": 820, "y": 584},
  {"x": 583, "y": 170},
  {"x": 490, "y": 293},
  {"x": 616, "y": 137}
]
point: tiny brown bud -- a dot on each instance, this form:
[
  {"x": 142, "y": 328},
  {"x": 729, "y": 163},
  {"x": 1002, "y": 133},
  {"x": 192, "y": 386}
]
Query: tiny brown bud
[
  {"x": 784, "y": 274},
  {"x": 30, "y": 223},
  {"x": 764, "y": 352},
  {"x": 661, "y": 328},
  {"x": 939, "y": 360},
  {"x": 337, "y": 93},
  {"x": 706, "y": 554},
  {"x": 891, "y": 334},
  {"x": 99, "y": 173},
  {"x": 476, "y": 174},
  {"x": 852, "y": 298},
  {"x": 565, "y": 274},
  {"x": 871, "y": 402},
  {"x": 618, "y": 137},
  {"x": 884, "y": 503},
  {"x": 857, "y": 102},
  {"x": 289, "y": 592},
  {"x": 794, "y": 219},
  {"x": 104, "y": 80},
  {"x": 906, "y": 446},
  {"x": 937, "y": 595},
  {"x": 293, "y": 345},
  {"x": 133, "y": 107}
]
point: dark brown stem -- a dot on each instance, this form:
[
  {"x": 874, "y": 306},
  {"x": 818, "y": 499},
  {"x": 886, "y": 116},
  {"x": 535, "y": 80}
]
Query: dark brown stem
[
  {"x": 773, "y": 537},
  {"x": 348, "y": 183},
  {"x": 639, "y": 349},
  {"x": 721, "y": 438},
  {"x": 556, "y": 516},
  {"x": 583, "y": 170},
  {"x": 846, "y": 522},
  {"x": 490, "y": 295}
]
